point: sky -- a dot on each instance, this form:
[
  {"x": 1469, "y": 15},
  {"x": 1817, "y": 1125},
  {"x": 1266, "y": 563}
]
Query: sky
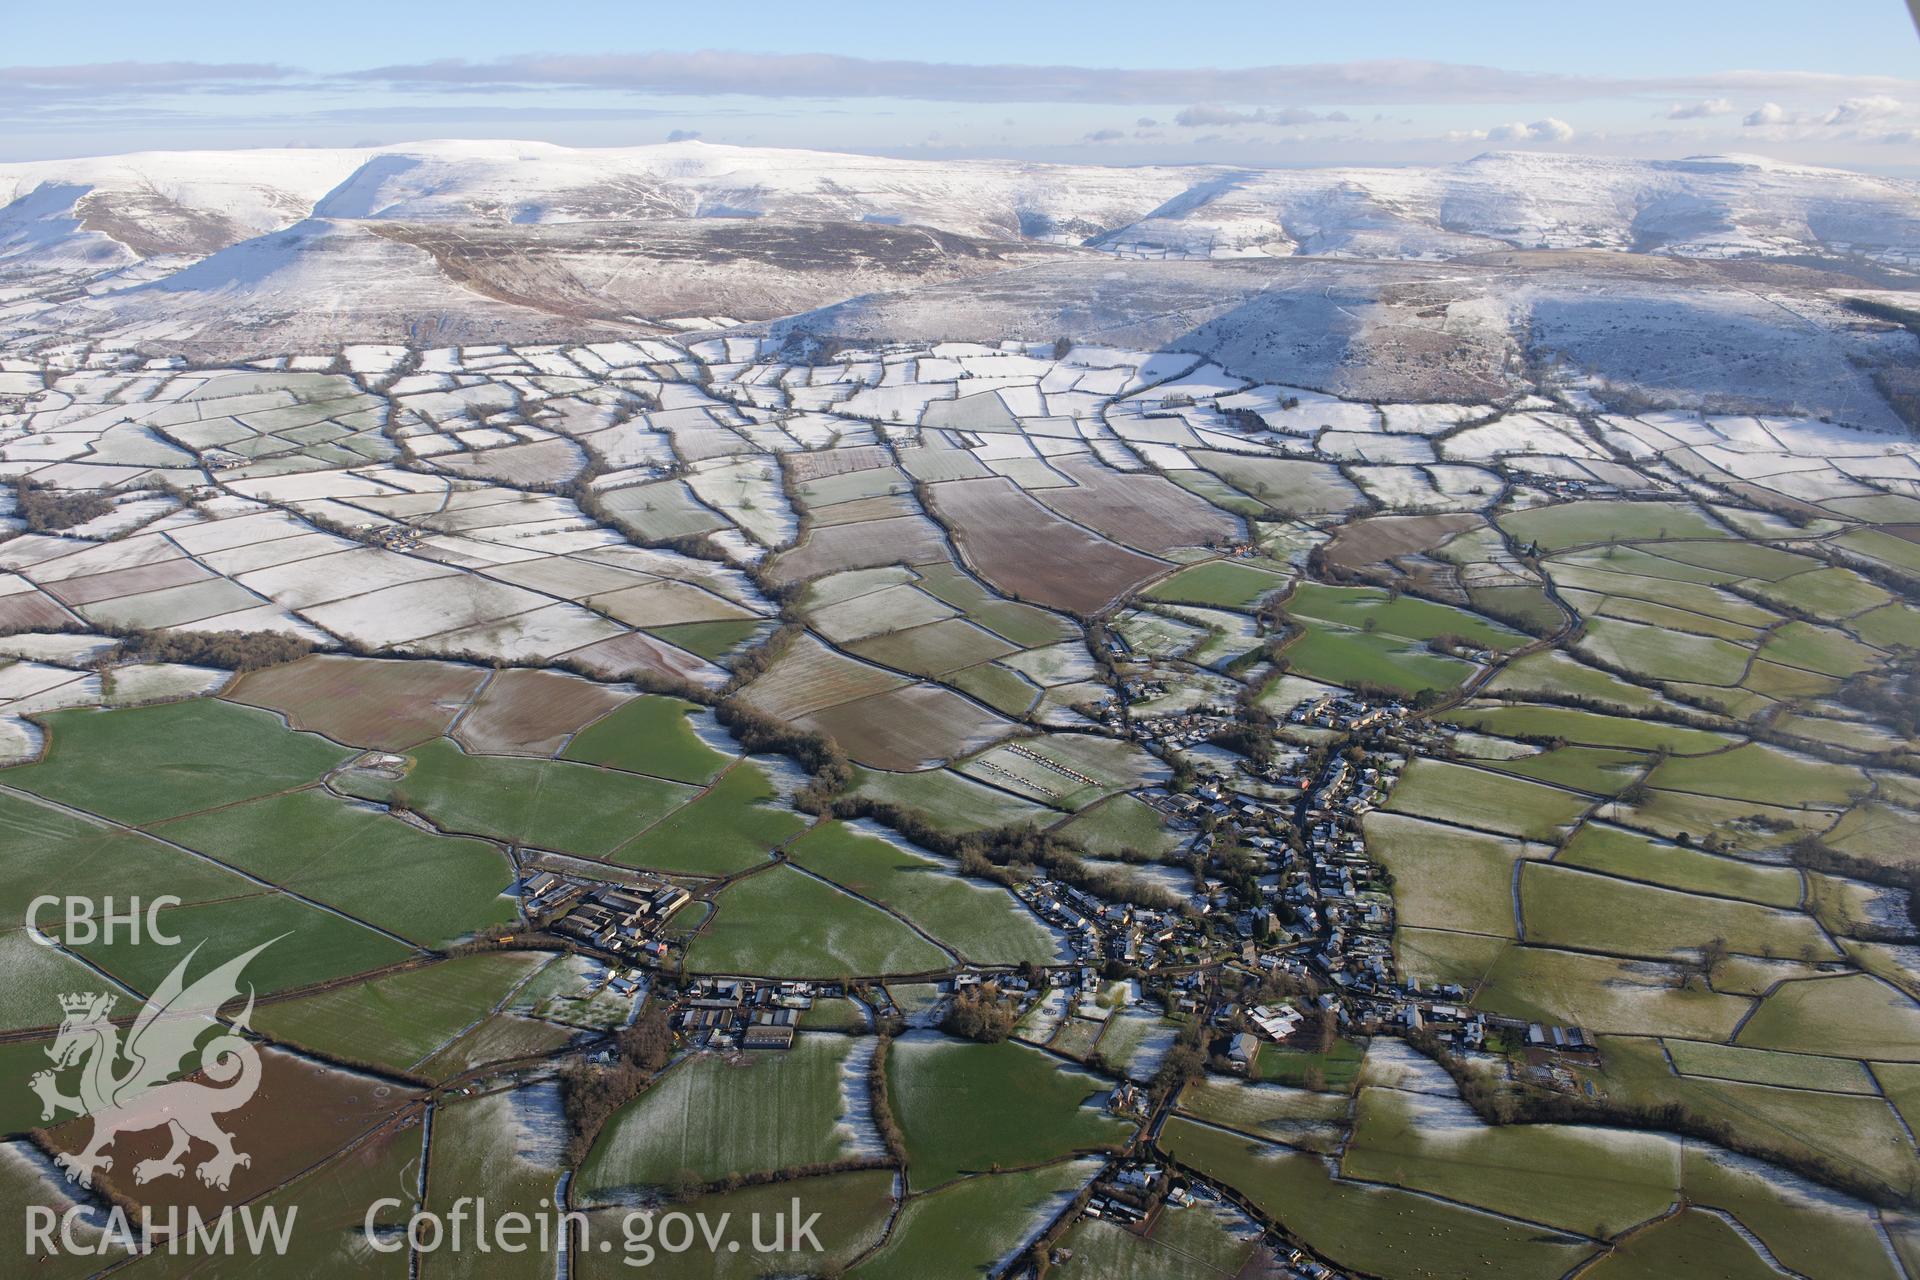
[{"x": 1273, "y": 83}]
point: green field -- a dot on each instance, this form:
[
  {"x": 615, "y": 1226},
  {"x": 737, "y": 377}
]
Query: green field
[
  {"x": 1406, "y": 616},
  {"x": 1691, "y": 1243},
  {"x": 1583, "y": 911},
  {"x": 1605, "y": 994},
  {"x": 948, "y": 800},
  {"x": 1342, "y": 656},
  {"x": 1597, "y": 770},
  {"x": 1121, "y": 824},
  {"x": 1477, "y": 798},
  {"x": 1335, "y": 1071},
  {"x": 142, "y": 764},
  {"x": 1823, "y": 650},
  {"x": 1592, "y": 1181},
  {"x": 710, "y": 640},
  {"x": 1225, "y": 584},
  {"x": 1830, "y": 593},
  {"x": 1854, "y": 1015},
  {"x": 1764, "y": 1066},
  {"x": 1198, "y": 1242},
  {"x": 1588, "y": 728},
  {"x": 1445, "y": 878},
  {"x": 784, "y": 923},
  {"x": 708, "y": 1117},
  {"x": 1810, "y": 1229},
  {"x": 1021, "y": 624},
  {"x": 968, "y": 1108},
  {"x": 648, "y": 735},
  {"x": 1765, "y": 774},
  {"x": 401, "y": 1019},
  {"x": 509, "y": 1147},
  {"x": 729, "y": 828},
  {"x": 854, "y": 1209},
  {"x": 982, "y": 922},
  {"x": 49, "y": 851},
  {"x": 1572, "y": 524},
  {"x": 966, "y": 1229},
  {"x": 1628, "y": 854},
  {"x": 1376, "y": 1230},
  {"x": 1659, "y": 653},
  {"x": 1552, "y": 671},
  {"x": 550, "y": 804},
  {"x": 431, "y": 889},
  {"x": 1297, "y": 1117},
  {"x": 308, "y": 945}
]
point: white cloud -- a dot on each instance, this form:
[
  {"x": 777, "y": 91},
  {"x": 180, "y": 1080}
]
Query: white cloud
[
  {"x": 1700, "y": 110},
  {"x": 1765, "y": 114},
  {"x": 1104, "y": 135},
  {"x": 1862, "y": 110},
  {"x": 1547, "y": 130},
  {"x": 1196, "y": 117}
]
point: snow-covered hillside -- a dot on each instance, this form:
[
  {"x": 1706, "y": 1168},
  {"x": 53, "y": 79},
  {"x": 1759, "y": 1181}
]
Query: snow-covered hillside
[{"x": 197, "y": 202}]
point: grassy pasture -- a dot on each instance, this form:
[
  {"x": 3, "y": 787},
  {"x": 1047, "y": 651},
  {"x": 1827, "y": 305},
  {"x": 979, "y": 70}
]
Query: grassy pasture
[
  {"x": 1589, "y": 728},
  {"x": 784, "y": 923},
  {"x": 141, "y": 764},
  {"x": 1406, "y": 616},
  {"x": 966, "y": 1107},
  {"x": 400, "y": 1019},
  {"x": 1832, "y": 592},
  {"x": 1824, "y": 650},
  {"x": 1854, "y": 1015},
  {"x": 1339, "y": 655},
  {"x": 966, "y": 1229},
  {"x": 1122, "y": 823},
  {"x": 728, "y": 828},
  {"x": 853, "y": 1208},
  {"x": 1571, "y": 524},
  {"x": 708, "y": 1117},
  {"x": 1566, "y": 1176},
  {"x": 1691, "y": 1243},
  {"x": 949, "y": 800},
  {"x": 308, "y": 945},
  {"x": 710, "y": 640},
  {"x": 1657, "y": 653},
  {"x": 1297, "y": 1117},
  {"x": 1444, "y": 878},
  {"x": 983, "y": 922},
  {"x": 1563, "y": 907},
  {"x": 1633, "y": 856},
  {"x": 1556, "y": 672},
  {"x": 1744, "y": 559},
  {"x": 429, "y": 888},
  {"x": 1376, "y": 1230},
  {"x": 649, "y": 735},
  {"x": 1638, "y": 577},
  {"x": 1605, "y": 994},
  {"x": 1813, "y": 1231},
  {"x": 552, "y": 804},
  {"x": 1765, "y": 1066},
  {"x": 1478, "y": 798},
  {"x": 1198, "y": 1242},
  {"x": 1598, "y": 770},
  {"x": 1762, "y": 773},
  {"x": 46, "y": 851},
  {"x": 1224, "y": 584}
]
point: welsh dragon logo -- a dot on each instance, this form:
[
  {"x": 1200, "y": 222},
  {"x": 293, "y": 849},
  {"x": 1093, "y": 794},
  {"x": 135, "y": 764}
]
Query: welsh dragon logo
[{"x": 127, "y": 1088}]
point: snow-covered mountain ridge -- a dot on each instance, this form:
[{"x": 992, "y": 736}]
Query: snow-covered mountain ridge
[{"x": 129, "y": 208}]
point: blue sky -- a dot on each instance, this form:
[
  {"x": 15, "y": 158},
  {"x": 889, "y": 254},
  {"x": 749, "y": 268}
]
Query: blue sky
[{"x": 1382, "y": 82}]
